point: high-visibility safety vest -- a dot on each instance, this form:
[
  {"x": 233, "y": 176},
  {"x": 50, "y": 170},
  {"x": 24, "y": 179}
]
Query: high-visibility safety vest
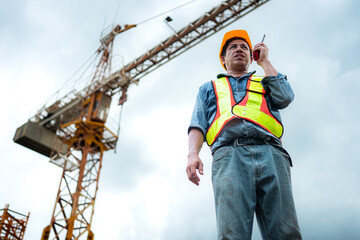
[{"x": 252, "y": 107}]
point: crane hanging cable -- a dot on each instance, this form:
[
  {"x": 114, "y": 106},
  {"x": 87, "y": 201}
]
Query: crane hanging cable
[
  {"x": 124, "y": 29},
  {"x": 180, "y": 6},
  {"x": 76, "y": 135},
  {"x": 118, "y": 130}
]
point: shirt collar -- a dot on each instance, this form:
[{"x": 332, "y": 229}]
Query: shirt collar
[{"x": 243, "y": 76}]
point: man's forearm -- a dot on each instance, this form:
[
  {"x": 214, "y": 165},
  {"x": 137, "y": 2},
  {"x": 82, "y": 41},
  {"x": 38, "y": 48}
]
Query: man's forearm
[
  {"x": 268, "y": 68},
  {"x": 196, "y": 140}
]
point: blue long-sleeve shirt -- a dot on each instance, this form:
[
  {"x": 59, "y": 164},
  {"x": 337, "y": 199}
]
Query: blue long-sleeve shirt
[{"x": 280, "y": 95}]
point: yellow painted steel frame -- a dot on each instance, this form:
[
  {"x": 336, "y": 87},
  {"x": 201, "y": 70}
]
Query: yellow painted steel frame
[
  {"x": 87, "y": 140},
  {"x": 93, "y": 132},
  {"x": 12, "y": 224},
  {"x": 74, "y": 207}
]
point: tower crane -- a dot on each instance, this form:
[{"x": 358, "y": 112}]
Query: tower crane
[{"x": 72, "y": 130}]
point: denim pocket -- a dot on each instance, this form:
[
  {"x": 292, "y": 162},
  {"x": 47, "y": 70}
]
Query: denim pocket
[
  {"x": 221, "y": 153},
  {"x": 284, "y": 153}
]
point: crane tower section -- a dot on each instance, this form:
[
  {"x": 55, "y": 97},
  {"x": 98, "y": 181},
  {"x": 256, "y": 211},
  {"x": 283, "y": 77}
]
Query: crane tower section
[
  {"x": 72, "y": 130},
  {"x": 12, "y": 224}
]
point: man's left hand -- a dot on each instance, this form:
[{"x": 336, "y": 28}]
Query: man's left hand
[{"x": 264, "y": 51}]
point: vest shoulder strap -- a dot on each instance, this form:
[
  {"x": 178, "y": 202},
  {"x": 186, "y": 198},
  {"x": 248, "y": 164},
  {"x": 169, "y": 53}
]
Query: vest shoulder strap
[{"x": 254, "y": 84}]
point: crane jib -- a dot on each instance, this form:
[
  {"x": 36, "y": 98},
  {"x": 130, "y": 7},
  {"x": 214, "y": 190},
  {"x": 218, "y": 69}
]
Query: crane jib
[{"x": 72, "y": 132}]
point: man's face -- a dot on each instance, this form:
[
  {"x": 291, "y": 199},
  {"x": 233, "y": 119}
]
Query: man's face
[{"x": 237, "y": 56}]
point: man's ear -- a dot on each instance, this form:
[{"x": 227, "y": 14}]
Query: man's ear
[{"x": 222, "y": 59}]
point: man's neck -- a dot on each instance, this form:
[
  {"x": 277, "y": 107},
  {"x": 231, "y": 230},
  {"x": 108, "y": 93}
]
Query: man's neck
[{"x": 236, "y": 73}]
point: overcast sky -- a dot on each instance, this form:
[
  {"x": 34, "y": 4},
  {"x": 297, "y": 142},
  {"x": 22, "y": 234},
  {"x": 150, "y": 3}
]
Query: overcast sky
[{"x": 144, "y": 193}]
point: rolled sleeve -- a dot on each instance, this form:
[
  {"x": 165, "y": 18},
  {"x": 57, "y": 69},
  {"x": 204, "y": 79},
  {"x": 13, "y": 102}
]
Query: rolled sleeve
[
  {"x": 281, "y": 93},
  {"x": 198, "y": 119}
]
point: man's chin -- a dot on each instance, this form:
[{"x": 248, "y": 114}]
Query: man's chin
[
  {"x": 240, "y": 67},
  {"x": 240, "y": 64}
]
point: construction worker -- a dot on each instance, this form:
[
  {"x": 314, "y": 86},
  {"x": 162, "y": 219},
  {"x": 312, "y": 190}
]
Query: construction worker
[{"x": 237, "y": 115}]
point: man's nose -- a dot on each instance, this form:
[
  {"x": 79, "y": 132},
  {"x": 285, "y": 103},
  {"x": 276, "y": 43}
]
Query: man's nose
[{"x": 238, "y": 49}]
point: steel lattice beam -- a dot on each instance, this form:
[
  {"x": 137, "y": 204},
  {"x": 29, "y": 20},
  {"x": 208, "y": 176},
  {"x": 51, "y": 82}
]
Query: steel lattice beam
[
  {"x": 76, "y": 120},
  {"x": 12, "y": 224},
  {"x": 75, "y": 199},
  {"x": 202, "y": 28},
  {"x": 197, "y": 31}
]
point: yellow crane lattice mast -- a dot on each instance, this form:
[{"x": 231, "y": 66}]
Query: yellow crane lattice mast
[{"x": 72, "y": 131}]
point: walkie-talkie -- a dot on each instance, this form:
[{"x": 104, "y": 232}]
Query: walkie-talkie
[{"x": 256, "y": 54}]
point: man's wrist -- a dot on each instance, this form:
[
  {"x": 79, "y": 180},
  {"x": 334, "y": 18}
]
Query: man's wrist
[
  {"x": 193, "y": 154},
  {"x": 268, "y": 68}
]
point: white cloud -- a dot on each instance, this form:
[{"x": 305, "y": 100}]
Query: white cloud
[{"x": 144, "y": 192}]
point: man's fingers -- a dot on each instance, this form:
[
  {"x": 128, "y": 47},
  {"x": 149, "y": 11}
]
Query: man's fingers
[
  {"x": 194, "y": 165},
  {"x": 260, "y": 46},
  {"x": 194, "y": 181},
  {"x": 193, "y": 173},
  {"x": 201, "y": 168},
  {"x": 192, "y": 176}
]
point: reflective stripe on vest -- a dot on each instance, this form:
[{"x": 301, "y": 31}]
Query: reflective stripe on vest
[
  {"x": 253, "y": 107},
  {"x": 225, "y": 101}
]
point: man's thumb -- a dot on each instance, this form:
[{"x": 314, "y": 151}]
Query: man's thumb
[{"x": 201, "y": 168}]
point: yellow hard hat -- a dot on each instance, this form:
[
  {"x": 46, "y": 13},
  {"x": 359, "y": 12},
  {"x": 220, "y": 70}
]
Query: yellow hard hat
[{"x": 234, "y": 34}]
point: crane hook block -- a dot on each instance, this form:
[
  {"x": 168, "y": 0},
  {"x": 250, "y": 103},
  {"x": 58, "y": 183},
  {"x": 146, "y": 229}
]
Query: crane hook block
[{"x": 123, "y": 97}]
